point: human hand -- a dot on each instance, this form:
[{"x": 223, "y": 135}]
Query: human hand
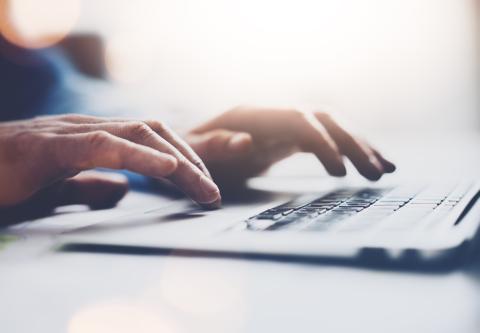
[
  {"x": 41, "y": 155},
  {"x": 246, "y": 141}
]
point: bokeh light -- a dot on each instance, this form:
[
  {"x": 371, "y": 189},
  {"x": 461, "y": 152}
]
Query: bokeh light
[
  {"x": 119, "y": 317},
  {"x": 128, "y": 57},
  {"x": 38, "y": 23},
  {"x": 202, "y": 290},
  {"x": 379, "y": 63}
]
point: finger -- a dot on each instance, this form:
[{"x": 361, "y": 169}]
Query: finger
[
  {"x": 388, "y": 166},
  {"x": 95, "y": 189},
  {"x": 315, "y": 139},
  {"x": 240, "y": 142},
  {"x": 175, "y": 140},
  {"x": 161, "y": 129},
  {"x": 101, "y": 149},
  {"x": 362, "y": 158},
  {"x": 221, "y": 145},
  {"x": 80, "y": 119},
  {"x": 260, "y": 123},
  {"x": 187, "y": 176},
  {"x": 191, "y": 176}
]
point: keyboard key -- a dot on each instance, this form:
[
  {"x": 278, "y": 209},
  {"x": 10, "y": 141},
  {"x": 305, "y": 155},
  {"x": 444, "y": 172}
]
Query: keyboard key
[
  {"x": 347, "y": 209},
  {"x": 269, "y": 216},
  {"x": 425, "y": 201},
  {"x": 350, "y": 203},
  {"x": 389, "y": 204},
  {"x": 283, "y": 223},
  {"x": 321, "y": 205},
  {"x": 388, "y": 201}
]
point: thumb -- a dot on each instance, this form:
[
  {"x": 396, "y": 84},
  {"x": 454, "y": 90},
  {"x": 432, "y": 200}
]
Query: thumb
[
  {"x": 95, "y": 189},
  {"x": 220, "y": 144}
]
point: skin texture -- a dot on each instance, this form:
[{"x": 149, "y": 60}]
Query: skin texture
[
  {"x": 246, "y": 141},
  {"x": 41, "y": 158}
]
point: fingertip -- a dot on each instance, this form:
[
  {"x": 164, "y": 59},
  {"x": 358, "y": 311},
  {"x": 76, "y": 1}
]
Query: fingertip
[
  {"x": 389, "y": 167},
  {"x": 342, "y": 172},
  {"x": 210, "y": 193},
  {"x": 371, "y": 172},
  {"x": 339, "y": 170},
  {"x": 374, "y": 176},
  {"x": 217, "y": 204}
]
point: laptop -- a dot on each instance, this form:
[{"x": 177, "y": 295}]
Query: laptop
[{"x": 410, "y": 224}]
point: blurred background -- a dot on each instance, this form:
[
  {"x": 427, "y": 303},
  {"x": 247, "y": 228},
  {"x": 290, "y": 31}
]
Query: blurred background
[{"x": 395, "y": 65}]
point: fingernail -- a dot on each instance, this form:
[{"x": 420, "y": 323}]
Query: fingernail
[{"x": 210, "y": 191}]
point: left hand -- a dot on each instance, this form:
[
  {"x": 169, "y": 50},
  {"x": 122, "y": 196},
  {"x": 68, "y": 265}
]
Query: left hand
[{"x": 244, "y": 142}]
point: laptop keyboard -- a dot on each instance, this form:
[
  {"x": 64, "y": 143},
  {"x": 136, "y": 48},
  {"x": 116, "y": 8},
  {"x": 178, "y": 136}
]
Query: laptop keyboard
[{"x": 356, "y": 209}]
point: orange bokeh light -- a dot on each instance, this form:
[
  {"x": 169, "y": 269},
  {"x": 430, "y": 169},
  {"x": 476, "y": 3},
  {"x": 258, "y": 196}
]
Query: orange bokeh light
[
  {"x": 119, "y": 317},
  {"x": 37, "y": 24}
]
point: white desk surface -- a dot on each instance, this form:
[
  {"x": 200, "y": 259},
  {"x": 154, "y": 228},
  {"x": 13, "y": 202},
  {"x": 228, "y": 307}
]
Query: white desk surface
[{"x": 43, "y": 290}]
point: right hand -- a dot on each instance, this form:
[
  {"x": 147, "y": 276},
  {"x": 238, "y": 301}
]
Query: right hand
[
  {"x": 39, "y": 154},
  {"x": 246, "y": 141}
]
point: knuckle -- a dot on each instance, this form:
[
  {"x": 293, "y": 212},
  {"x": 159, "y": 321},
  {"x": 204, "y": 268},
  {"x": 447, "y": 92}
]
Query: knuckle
[
  {"x": 100, "y": 145},
  {"x": 180, "y": 157},
  {"x": 97, "y": 139},
  {"x": 140, "y": 130},
  {"x": 181, "y": 160},
  {"x": 158, "y": 126},
  {"x": 197, "y": 162}
]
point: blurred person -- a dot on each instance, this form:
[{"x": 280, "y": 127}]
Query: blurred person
[{"x": 43, "y": 159}]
